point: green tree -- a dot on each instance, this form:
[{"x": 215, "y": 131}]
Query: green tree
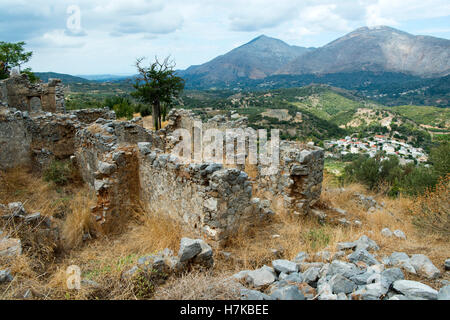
[
  {"x": 12, "y": 55},
  {"x": 31, "y": 76},
  {"x": 158, "y": 86},
  {"x": 440, "y": 157},
  {"x": 122, "y": 106}
]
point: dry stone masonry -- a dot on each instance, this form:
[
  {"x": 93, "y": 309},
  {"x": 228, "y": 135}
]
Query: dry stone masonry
[
  {"x": 123, "y": 162},
  {"x": 19, "y": 93}
]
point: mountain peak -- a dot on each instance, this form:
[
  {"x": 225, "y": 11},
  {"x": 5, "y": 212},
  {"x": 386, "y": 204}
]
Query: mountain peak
[
  {"x": 376, "y": 29},
  {"x": 264, "y": 39},
  {"x": 377, "y": 48},
  {"x": 261, "y": 37}
]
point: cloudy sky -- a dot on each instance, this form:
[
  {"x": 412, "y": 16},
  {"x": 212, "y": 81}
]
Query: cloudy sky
[{"x": 106, "y": 36}]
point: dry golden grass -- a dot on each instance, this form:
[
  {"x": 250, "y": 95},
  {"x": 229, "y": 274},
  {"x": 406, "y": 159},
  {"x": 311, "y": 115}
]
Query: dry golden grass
[
  {"x": 198, "y": 286},
  {"x": 432, "y": 210},
  {"x": 106, "y": 257},
  {"x": 294, "y": 234},
  {"x": 80, "y": 221},
  {"x": 20, "y": 184}
]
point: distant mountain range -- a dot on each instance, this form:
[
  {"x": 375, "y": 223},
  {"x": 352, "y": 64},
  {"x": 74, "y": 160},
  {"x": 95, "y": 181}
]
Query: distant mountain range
[
  {"x": 104, "y": 77},
  {"x": 66, "y": 78},
  {"x": 378, "y": 50},
  {"x": 385, "y": 64},
  {"x": 261, "y": 57}
]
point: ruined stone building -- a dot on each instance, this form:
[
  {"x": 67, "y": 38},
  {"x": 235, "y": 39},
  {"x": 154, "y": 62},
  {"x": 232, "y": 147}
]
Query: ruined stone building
[
  {"x": 124, "y": 162},
  {"x": 19, "y": 93}
]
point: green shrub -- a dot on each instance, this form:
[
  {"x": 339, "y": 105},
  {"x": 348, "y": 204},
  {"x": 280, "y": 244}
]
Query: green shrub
[
  {"x": 316, "y": 238},
  {"x": 392, "y": 178},
  {"x": 144, "y": 110},
  {"x": 59, "y": 172},
  {"x": 146, "y": 281},
  {"x": 124, "y": 110},
  {"x": 440, "y": 157}
]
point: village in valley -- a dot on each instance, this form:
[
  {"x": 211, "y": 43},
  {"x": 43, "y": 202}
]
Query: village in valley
[{"x": 373, "y": 145}]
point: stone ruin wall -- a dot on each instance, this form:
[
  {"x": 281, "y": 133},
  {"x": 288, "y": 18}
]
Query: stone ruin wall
[
  {"x": 15, "y": 139},
  {"x": 106, "y": 155},
  {"x": 37, "y": 139},
  {"x": 125, "y": 163},
  {"x": 294, "y": 188},
  {"x": 297, "y": 185},
  {"x": 208, "y": 198},
  {"x": 19, "y": 93}
]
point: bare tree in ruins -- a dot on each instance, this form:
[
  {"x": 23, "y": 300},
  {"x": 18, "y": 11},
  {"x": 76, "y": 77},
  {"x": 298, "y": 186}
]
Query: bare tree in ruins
[{"x": 157, "y": 85}]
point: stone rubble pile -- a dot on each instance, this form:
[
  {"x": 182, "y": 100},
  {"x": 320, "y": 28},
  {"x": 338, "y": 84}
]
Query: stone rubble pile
[
  {"x": 361, "y": 276},
  {"x": 192, "y": 252},
  {"x": 15, "y": 213}
]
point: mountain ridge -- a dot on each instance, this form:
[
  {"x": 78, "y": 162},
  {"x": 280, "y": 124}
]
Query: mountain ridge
[
  {"x": 255, "y": 59},
  {"x": 377, "y": 49},
  {"x": 372, "y": 49}
]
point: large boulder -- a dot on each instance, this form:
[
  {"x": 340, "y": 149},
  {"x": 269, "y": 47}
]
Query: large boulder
[
  {"x": 397, "y": 258},
  {"x": 371, "y": 291},
  {"x": 423, "y": 266},
  {"x": 346, "y": 269},
  {"x": 189, "y": 248},
  {"x": 389, "y": 276},
  {"x": 364, "y": 242},
  {"x": 289, "y": 292},
  {"x": 415, "y": 290},
  {"x": 261, "y": 277},
  {"x": 205, "y": 257},
  {"x": 444, "y": 293},
  {"x": 247, "y": 294},
  {"x": 362, "y": 255},
  {"x": 340, "y": 284},
  {"x": 285, "y": 266},
  {"x": 311, "y": 275}
]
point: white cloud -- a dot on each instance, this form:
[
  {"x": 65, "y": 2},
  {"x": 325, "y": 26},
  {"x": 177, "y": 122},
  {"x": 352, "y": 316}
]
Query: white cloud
[
  {"x": 115, "y": 32},
  {"x": 375, "y": 18},
  {"x": 59, "y": 39}
]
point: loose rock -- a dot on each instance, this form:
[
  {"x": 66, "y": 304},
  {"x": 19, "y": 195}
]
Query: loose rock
[
  {"x": 399, "y": 234},
  {"x": 423, "y": 266},
  {"x": 261, "y": 277},
  {"x": 189, "y": 248},
  {"x": 414, "y": 289},
  {"x": 340, "y": 284},
  {"x": 444, "y": 293},
  {"x": 362, "y": 255},
  {"x": 285, "y": 266},
  {"x": 5, "y": 276},
  {"x": 288, "y": 293},
  {"x": 387, "y": 232}
]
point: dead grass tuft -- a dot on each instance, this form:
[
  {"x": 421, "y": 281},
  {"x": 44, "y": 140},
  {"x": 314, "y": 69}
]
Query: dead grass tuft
[
  {"x": 80, "y": 221},
  {"x": 198, "y": 286},
  {"x": 432, "y": 210}
]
